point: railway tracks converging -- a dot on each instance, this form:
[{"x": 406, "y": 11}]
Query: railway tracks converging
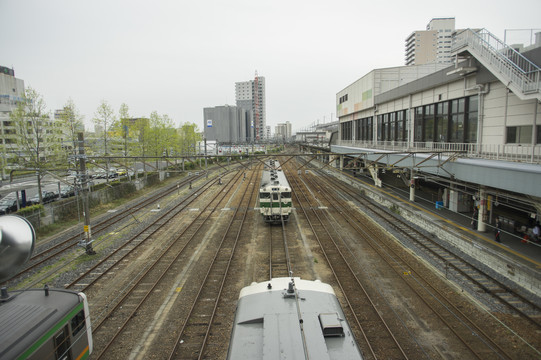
[
  {"x": 480, "y": 340},
  {"x": 168, "y": 285},
  {"x": 457, "y": 267},
  {"x": 182, "y": 252},
  {"x": 379, "y": 338},
  {"x": 49, "y": 251},
  {"x": 472, "y": 336}
]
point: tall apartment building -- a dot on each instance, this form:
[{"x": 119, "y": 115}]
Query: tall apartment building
[
  {"x": 432, "y": 45},
  {"x": 11, "y": 93},
  {"x": 250, "y": 95},
  {"x": 282, "y": 132}
]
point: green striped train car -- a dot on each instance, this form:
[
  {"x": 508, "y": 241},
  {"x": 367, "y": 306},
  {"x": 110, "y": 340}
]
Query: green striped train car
[
  {"x": 274, "y": 194},
  {"x": 44, "y": 324}
]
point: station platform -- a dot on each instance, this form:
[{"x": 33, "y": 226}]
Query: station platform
[{"x": 512, "y": 245}]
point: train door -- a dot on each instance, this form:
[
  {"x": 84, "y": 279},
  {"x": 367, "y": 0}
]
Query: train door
[
  {"x": 62, "y": 344},
  {"x": 275, "y": 198}
]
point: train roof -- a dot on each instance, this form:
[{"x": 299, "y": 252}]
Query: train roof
[
  {"x": 273, "y": 178},
  {"x": 27, "y": 315},
  {"x": 267, "y": 324}
]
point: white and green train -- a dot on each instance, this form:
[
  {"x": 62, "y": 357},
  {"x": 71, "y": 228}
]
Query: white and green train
[
  {"x": 36, "y": 324},
  {"x": 274, "y": 194}
]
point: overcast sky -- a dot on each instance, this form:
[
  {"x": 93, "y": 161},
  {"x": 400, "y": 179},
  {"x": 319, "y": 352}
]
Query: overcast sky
[{"x": 178, "y": 57}]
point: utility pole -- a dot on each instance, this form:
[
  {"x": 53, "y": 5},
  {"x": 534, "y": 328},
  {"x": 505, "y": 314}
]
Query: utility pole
[
  {"x": 206, "y": 165},
  {"x": 87, "y": 241}
]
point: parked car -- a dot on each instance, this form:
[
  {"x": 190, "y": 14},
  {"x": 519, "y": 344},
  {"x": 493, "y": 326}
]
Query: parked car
[
  {"x": 67, "y": 191},
  {"x": 8, "y": 205},
  {"x": 47, "y": 197},
  {"x": 100, "y": 174},
  {"x": 113, "y": 173}
]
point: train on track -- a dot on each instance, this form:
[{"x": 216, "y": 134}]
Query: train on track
[
  {"x": 38, "y": 323},
  {"x": 290, "y": 318},
  {"x": 274, "y": 194}
]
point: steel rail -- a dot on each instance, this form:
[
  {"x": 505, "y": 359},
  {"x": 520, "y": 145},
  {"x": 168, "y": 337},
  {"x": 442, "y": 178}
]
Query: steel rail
[
  {"x": 223, "y": 271},
  {"x": 158, "y": 280},
  {"x": 351, "y": 274},
  {"x": 354, "y": 221}
]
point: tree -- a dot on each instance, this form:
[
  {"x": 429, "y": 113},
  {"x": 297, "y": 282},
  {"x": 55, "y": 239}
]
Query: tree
[
  {"x": 124, "y": 117},
  {"x": 104, "y": 120},
  {"x": 37, "y": 136},
  {"x": 72, "y": 124},
  {"x": 189, "y": 136}
]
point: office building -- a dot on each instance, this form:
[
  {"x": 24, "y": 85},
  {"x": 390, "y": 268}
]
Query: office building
[{"x": 228, "y": 124}]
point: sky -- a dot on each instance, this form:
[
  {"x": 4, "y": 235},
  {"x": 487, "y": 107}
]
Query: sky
[{"x": 177, "y": 57}]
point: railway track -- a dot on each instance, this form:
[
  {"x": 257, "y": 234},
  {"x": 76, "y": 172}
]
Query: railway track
[
  {"x": 480, "y": 344},
  {"x": 52, "y": 250},
  {"x": 455, "y": 266},
  {"x": 378, "y": 337},
  {"x": 116, "y": 324},
  {"x": 84, "y": 281},
  {"x": 193, "y": 338},
  {"x": 279, "y": 260}
]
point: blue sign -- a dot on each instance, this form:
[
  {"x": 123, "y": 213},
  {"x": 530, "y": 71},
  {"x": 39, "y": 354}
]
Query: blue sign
[{"x": 209, "y": 123}]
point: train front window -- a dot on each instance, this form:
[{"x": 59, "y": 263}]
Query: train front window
[
  {"x": 78, "y": 322},
  {"x": 286, "y": 195},
  {"x": 275, "y": 196},
  {"x": 264, "y": 195}
]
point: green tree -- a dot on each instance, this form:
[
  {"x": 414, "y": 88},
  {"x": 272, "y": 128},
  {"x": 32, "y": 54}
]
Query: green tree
[
  {"x": 37, "y": 138},
  {"x": 104, "y": 119},
  {"x": 105, "y": 123},
  {"x": 72, "y": 123},
  {"x": 189, "y": 136}
]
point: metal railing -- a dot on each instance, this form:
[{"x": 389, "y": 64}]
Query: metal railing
[
  {"x": 525, "y": 153},
  {"x": 506, "y": 60}
]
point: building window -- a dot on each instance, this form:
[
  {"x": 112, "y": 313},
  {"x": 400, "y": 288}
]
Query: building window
[
  {"x": 519, "y": 134},
  {"x": 457, "y": 120},
  {"x": 401, "y": 125},
  {"x": 428, "y": 123},
  {"x": 380, "y": 128},
  {"x": 473, "y": 108},
  {"x": 538, "y": 140},
  {"x": 442, "y": 122},
  {"x": 418, "y": 124},
  {"x": 346, "y": 130},
  {"x": 367, "y": 129},
  {"x": 392, "y": 126}
]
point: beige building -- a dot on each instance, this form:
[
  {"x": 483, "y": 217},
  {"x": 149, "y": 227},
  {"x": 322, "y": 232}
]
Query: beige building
[{"x": 432, "y": 45}]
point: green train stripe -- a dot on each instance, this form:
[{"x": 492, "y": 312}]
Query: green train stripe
[
  {"x": 274, "y": 205},
  {"x": 51, "y": 332}
]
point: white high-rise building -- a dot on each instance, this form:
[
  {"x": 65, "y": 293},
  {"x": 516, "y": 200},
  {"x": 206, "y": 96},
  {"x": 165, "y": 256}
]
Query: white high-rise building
[
  {"x": 250, "y": 95},
  {"x": 432, "y": 45},
  {"x": 282, "y": 132}
]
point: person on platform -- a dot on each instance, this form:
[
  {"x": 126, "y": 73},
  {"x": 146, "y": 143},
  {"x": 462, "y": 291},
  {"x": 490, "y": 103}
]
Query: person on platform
[
  {"x": 498, "y": 230},
  {"x": 474, "y": 218},
  {"x": 536, "y": 232}
]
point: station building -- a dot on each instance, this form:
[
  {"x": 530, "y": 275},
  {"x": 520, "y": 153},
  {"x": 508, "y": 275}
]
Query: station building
[{"x": 470, "y": 130}]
